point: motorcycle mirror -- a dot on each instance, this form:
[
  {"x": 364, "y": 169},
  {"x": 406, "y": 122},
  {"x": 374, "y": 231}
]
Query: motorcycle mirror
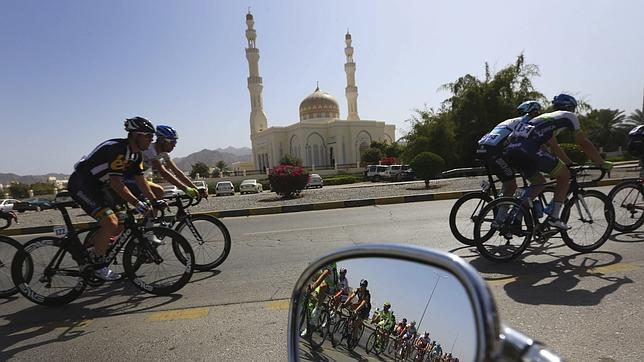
[{"x": 443, "y": 294}]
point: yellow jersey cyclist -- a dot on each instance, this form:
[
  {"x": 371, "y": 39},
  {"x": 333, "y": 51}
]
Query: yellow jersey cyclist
[
  {"x": 97, "y": 185},
  {"x": 491, "y": 146},
  {"x": 527, "y": 151},
  {"x": 157, "y": 156}
]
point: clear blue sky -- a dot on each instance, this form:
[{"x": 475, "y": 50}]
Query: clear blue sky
[{"x": 71, "y": 71}]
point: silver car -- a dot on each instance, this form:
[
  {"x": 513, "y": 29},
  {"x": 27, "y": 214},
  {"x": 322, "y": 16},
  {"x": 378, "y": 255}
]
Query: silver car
[{"x": 250, "y": 186}]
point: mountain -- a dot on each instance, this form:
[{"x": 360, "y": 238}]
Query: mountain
[
  {"x": 211, "y": 157},
  {"x": 7, "y": 178}
]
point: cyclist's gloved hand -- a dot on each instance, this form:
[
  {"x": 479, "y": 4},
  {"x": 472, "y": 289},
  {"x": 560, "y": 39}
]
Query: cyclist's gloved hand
[
  {"x": 160, "y": 204},
  {"x": 607, "y": 166},
  {"x": 191, "y": 192},
  {"x": 142, "y": 207},
  {"x": 203, "y": 193}
]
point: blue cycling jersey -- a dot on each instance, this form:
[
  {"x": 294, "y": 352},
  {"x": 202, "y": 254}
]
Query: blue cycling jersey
[
  {"x": 540, "y": 129},
  {"x": 499, "y": 134}
]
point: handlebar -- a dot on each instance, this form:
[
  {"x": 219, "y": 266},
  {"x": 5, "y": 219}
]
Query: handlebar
[{"x": 577, "y": 171}]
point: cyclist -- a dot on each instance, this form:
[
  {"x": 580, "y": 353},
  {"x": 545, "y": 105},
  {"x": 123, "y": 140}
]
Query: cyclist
[
  {"x": 491, "y": 146},
  {"x": 343, "y": 287},
  {"x": 385, "y": 320},
  {"x": 157, "y": 156},
  {"x": 97, "y": 185},
  {"x": 527, "y": 153},
  {"x": 636, "y": 145},
  {"x": 422, "y": 344},
  {"x": 363, "y": 306}
]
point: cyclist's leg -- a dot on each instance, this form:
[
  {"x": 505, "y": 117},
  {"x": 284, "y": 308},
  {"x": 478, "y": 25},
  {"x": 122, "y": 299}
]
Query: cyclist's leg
[
  {"x": 550, "y": 164},
  {"x": 501, "y": 168}
]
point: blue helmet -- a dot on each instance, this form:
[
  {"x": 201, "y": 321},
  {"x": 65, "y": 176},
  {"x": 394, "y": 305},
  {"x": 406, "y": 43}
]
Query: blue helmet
[
  {"x": 529, "y": 106},
  {"x": 167, "y": 132},
  {"x": 564, "y": 101}
]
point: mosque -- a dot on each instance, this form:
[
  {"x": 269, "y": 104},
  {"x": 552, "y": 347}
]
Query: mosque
[{"x": 321, "y": 139}]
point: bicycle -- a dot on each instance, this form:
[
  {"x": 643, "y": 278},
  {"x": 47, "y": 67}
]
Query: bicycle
[
  {"x": 345, "y": 327},
  {"x": 377, "y": 341},
  {"x": 8, "y": 249},
  {"x": 627, "y": 198},
  {"x": 7, "y": 218},
  {"x": 317, "y": 326},
  {"x": 588, "y": 212},
  {"x": 61, "y": 278}
]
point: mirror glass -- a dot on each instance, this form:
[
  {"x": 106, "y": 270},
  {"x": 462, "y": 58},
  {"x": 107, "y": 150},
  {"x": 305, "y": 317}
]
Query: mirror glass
[{"x": 339, "y": 320}]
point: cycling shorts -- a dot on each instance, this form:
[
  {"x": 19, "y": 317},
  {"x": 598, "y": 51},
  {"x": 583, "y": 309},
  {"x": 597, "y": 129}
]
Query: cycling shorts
[
  {"x": 530, "y": 158},
  {"x": 91, "y": 195},
  {"x": 364, "y": 313},
  {"x": 494, "y": 160}
]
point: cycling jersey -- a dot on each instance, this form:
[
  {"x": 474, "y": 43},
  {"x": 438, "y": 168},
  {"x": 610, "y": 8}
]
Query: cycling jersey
[
  {"x": 540, "y": 129},
  {"x": 343, "y": 285},
  {"x": 364, "y": 296},
  {"x": 491, "y": 145},
  {"x": 498, "y": 136},
  {"x": 331, "y": 279},
  {"x": 111, "y": 158},
  {"x": 151, "y": 154},
  {"x": 387, "y": 320}
]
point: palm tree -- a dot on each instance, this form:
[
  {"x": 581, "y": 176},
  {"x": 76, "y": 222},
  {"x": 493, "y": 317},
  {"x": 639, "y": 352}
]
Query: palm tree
[
  {"x": 222, "y": 166},
  {"x": 606, "y": 128},
  {"x": 636, "y": 118}
]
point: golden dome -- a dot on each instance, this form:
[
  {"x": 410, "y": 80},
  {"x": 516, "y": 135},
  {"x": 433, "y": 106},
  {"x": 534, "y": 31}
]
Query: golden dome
[{"x": 318, "y": 105}]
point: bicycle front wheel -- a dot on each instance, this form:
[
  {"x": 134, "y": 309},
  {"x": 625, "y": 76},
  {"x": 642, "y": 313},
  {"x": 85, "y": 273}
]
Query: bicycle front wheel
[
  {"x": 511, "y": 227},
  {"x": 159, "y": 268},
  {"x": 627, "y": 198},
  {"x": 464, "y": 214},
  {"x": 46, "y": 273},
  {"x": 8, "y": 249},
  {"x": 590, "y": 217},
  {"x": 209, "y": 238}
]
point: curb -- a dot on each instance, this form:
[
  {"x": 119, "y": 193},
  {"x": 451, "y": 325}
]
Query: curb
[{"x": 300, "y": 208}]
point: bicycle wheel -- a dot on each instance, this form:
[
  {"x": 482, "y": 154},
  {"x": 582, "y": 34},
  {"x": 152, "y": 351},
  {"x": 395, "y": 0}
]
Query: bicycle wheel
[
  {"x": 318, "y": 329},
  {"x": 464, "y": 213},
  {"x": 371, "y": 343},
  {"x": 590, "y": 217},
  {"x": 57, "y": 277},
  {"x": 209, "y": 238},
  {"x": 351, "y": 341},
  {"x": 627, "y": 198},
  {"x": 338, "y": 332},
  {"x": 159, "y": 269},
  {"x": 86, "y": 237},
  {"x": 8, "y": 249},
  {"x": 511, "y": 227}
]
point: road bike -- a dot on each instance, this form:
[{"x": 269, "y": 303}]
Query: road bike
[
  {"x": 344, "y": 329},
  {"x": 313, "y": 323},
  {"x": 378, "y": 341},
  {"x": 61, "y": 266},
  {"x": 627, "y": 198},
  {"x": 8, "y": 249},
  {"x": 515, "y": 221}
]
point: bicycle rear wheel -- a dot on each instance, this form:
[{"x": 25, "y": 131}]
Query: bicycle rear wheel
[
  {"x": 209, "y": 238},
  {"x": 57, "y": 277},
  {"x": 318, "y": 329},
  {"x": 627, "y": 198},
  {"x": 159, "y": 269},
  {"x": 8, "y": 249},
  {"x": 590, "y": 217},
  {"x": 511, "y": 230},
  {"x": 464, "y": 213}
]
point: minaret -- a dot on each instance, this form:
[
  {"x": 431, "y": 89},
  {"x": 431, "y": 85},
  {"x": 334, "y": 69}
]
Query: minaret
[
  {"x": 258, "y": 121},
  {"x": 351, "y": 90}
]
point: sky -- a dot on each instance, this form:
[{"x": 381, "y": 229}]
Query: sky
[{"x": 72, "y": 71}]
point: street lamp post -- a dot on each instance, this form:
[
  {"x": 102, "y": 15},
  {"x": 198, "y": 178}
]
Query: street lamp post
[{"x": 430, "y": 298}]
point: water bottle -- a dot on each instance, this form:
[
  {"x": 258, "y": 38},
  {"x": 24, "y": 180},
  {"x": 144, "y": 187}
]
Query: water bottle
[{"x": 537, "y": 208}]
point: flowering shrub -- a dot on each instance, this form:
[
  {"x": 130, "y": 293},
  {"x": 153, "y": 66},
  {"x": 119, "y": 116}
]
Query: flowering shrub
[
  {"x": 288, "y": 180},
  {"x": 389, "y": 161}
]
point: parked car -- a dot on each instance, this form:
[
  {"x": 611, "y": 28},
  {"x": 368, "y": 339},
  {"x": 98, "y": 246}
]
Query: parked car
[
  {"x": 406, "y": 175},
  {"x": 201, "y": 185},
  {"x": 375, "y": 172},
  {"x": 35, "y": 204},
  {"x": 314, "y": 180},
  {"x": 64, "y": 196},
  {"x": 393, "y": 170},
  {"x": 7, "y": 204},
  {"x": 172, "y": 190},
  {"x": 250, "y": 186},
  {"x": 224, "y": 188}
]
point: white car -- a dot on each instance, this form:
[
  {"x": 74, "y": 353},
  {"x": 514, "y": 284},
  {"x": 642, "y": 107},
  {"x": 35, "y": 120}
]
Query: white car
[
  {"x": 314, "y": 180},
  {"x": 201, "y": 185},
  {"x": 7, "y": 204},
  {"x": 250, "y": 186},
  {"x": 224, "y": 188},
  {"x": 171, "y": 191}
]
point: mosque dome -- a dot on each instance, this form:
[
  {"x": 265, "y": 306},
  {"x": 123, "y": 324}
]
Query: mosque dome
[{"x": 319, "y": 105}]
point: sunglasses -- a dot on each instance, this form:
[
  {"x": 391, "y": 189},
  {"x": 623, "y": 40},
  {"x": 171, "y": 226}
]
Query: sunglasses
[{"x": 146, "y": 135}]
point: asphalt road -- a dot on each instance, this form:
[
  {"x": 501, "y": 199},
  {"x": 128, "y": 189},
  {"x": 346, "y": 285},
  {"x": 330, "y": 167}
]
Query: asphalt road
[{"x": 586, "y": 307}]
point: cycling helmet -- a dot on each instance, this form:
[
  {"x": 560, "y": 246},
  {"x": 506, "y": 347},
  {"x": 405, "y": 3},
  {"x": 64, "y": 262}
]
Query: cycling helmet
[
  {"x": 529, "y": 106},
  {"x": 167, "y": 132},
  {"x": 364, "y": 283},
  {"x": 564, "y": 102},
  {"x": 138, "y": 124},
  {"x": 413, "y": 323},
  {"x": 404, "y": 320},
  {"x": 343, "y": 270},
  {"x": 386, "y": 305}
]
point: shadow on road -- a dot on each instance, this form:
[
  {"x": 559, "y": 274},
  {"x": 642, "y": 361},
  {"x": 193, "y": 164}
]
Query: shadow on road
[
  {"x": 38, "y": 325},
  {"x": 632, "y": 237}
]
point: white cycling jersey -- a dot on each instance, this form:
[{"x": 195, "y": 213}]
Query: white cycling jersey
[{"x": 151, "y": 154}]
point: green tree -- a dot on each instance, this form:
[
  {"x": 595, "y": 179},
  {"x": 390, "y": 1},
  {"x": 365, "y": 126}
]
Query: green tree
[
  {"x": 427, "y": 165},
  {"x": 18, "y": 190},
  {"x": 606, "y": 128},
  {"x": 574, "y": 152},
  {"x": 372, "y": 155},
  {"x": 200, "y": 169},
  {"x": 388, "y": 149},
  {"x": 42, "y": 188},
  {"x": 288, "y": 159},
  {"x": 636, "y": 118},
  {"x": 433, "y": 132}
]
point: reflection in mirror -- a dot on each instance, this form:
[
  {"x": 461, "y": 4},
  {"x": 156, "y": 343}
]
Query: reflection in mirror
[{"x": 385, "y": 309}]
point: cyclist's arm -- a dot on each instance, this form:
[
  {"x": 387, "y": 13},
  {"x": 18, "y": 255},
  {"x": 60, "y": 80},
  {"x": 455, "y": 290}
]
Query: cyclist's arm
[
  {"x": 558, "y": 151},
  {"x": 116, "y": 183},
  {"x": 320, "y": 279},
  {"x": 179, "y": 174},
  {"x": 360, "y": 306},
  {"x": 171, "y": 177},
  {"x": 144, "y": 187},
  {"x": 588, "y": 148}
]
